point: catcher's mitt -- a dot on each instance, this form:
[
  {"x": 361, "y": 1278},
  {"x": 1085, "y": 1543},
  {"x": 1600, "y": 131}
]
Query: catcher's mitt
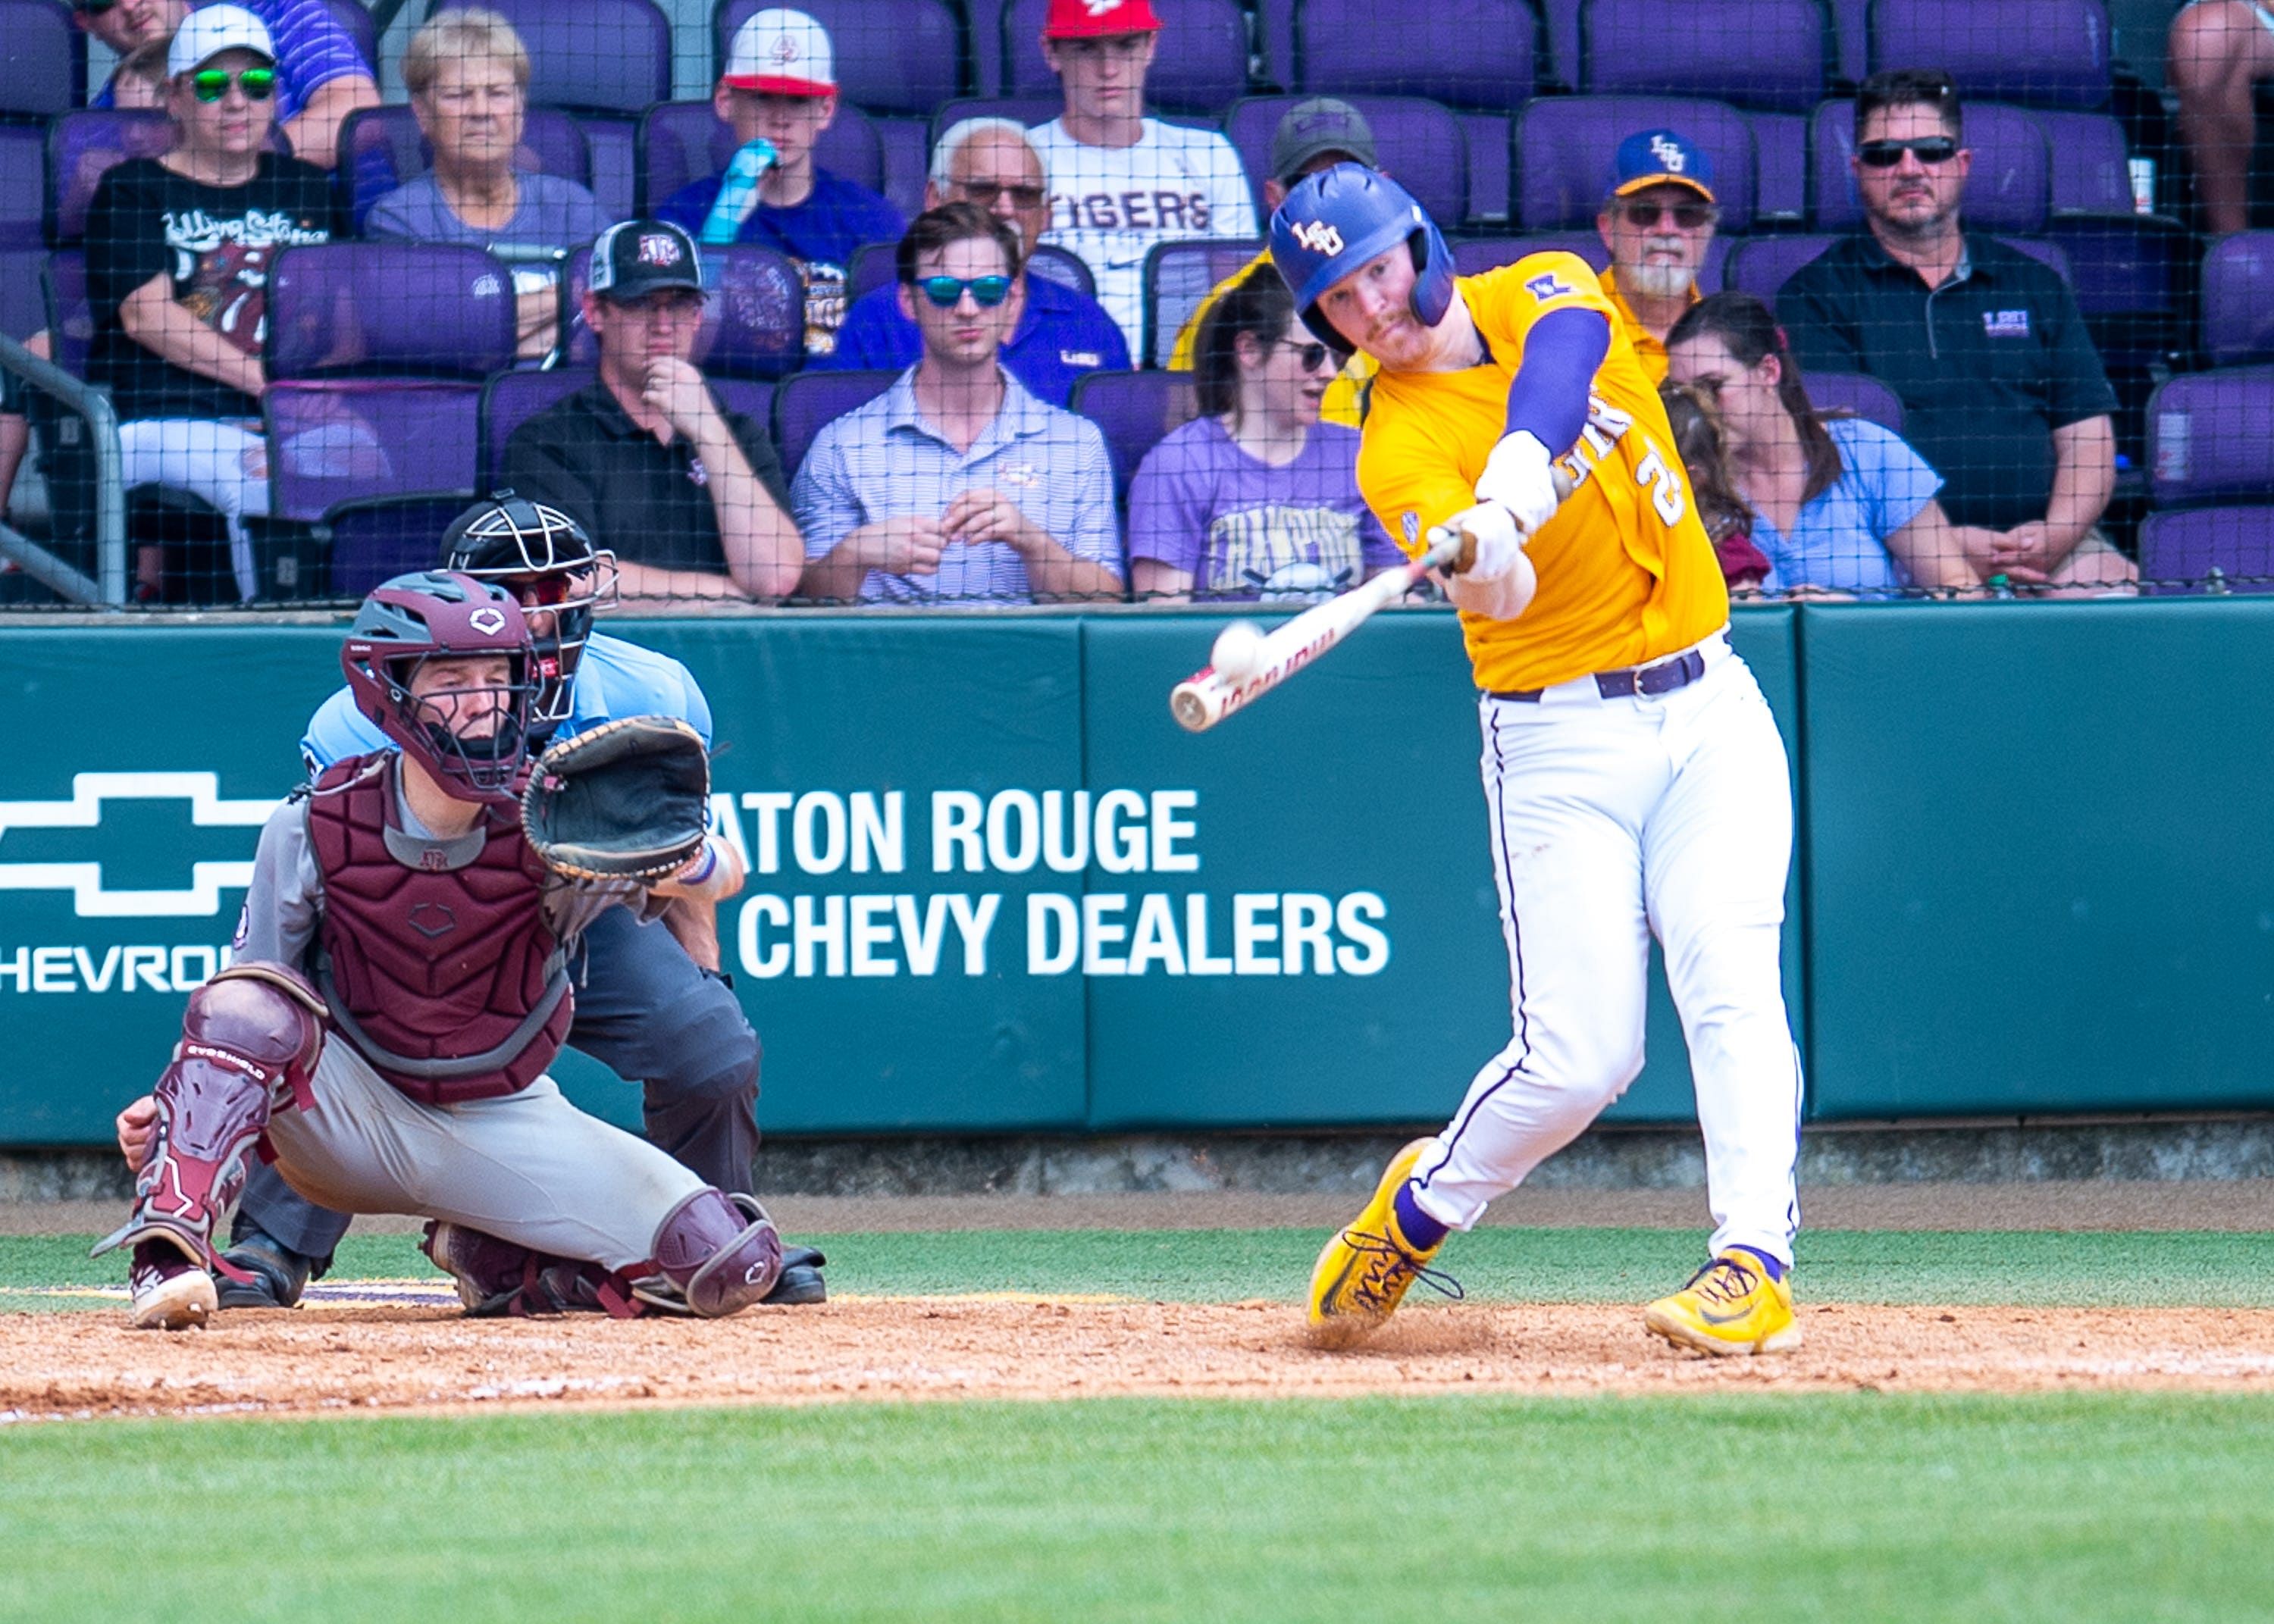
[{"x": 628, "y": 800}]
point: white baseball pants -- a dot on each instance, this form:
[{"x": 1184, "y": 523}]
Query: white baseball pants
[
  {"x": 1613, "y": 819},
  {"x": 527, "y": 1166},
  {"x": 225, "y": 463}
]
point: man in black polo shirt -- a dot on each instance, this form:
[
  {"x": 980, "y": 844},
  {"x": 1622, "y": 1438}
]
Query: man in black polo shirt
[
  {"x": 2002, "y": 390},
  {"x": 689, "y": 496}
]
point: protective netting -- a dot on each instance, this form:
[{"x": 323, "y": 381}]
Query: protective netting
[{"x": 1950, "y": 297}]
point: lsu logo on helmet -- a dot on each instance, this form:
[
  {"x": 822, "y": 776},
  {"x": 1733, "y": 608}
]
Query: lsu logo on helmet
[{"x": 1319, "y": 236}]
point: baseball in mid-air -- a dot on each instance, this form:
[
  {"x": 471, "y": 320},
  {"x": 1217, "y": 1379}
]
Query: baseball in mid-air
[{"x": 1239, "y": 652}]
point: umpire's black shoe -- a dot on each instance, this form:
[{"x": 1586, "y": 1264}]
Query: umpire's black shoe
[
  {"x": 280, "y": 1274},
  {"x": 801, "y": 1279}
]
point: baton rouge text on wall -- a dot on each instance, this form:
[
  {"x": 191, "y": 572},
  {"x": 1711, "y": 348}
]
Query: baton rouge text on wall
[{"x": 1138, "y": 929}]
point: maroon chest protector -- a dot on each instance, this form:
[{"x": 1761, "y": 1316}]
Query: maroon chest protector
[{"x": 435, "y": 962}]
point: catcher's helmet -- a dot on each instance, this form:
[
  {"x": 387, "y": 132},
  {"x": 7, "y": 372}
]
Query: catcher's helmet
[
  {"x": 543, "y": 556},
  {"x": 433, "y": 615},
  {"x": 1336, "y": 219}
]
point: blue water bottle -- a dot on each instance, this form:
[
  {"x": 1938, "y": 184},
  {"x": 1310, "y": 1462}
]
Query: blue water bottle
[{"x": 738, "y": 190}]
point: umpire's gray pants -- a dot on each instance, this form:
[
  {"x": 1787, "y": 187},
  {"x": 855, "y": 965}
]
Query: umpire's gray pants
[{"x": 527, "y": 1166}]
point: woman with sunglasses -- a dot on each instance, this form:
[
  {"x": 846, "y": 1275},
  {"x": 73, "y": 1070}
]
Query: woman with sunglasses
[
  {"x": 178, "y": 250},
  {"x": 1838, "y": 506},
  {"x": 1256, "y": 498}
]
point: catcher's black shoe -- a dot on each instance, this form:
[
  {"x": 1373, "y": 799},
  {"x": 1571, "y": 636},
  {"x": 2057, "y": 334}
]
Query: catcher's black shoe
[
  {"x": 280, "y": 1274},
  {"x": 801, "y": 1279}
]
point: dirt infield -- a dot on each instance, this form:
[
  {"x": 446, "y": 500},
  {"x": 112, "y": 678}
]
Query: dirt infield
[{"x": 396, "y": 1357}]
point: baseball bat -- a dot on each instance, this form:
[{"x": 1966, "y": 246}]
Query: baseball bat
[{"x": 1206, "y": 697}]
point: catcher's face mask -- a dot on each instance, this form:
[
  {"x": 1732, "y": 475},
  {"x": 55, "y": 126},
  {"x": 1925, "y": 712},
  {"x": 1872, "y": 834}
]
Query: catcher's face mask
[{"x": 470, "y": 720}]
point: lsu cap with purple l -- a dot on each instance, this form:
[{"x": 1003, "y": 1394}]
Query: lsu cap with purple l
[
  {"x": 635, "y": 258},
  {"x": 1660, "y": 158}
]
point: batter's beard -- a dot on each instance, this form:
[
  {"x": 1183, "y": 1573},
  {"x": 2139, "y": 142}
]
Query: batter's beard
[{"x": 1659, "y": 281}]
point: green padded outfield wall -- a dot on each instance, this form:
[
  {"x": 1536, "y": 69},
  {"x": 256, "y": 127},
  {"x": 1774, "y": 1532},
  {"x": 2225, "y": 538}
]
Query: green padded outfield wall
[{"x": 993, "y": 887}]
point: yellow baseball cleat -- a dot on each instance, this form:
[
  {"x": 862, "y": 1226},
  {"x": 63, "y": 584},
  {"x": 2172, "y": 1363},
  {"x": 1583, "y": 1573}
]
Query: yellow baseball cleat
[
  {"x": 1730, "y": 1306},
  {"x": 1363, "y": 1274}
]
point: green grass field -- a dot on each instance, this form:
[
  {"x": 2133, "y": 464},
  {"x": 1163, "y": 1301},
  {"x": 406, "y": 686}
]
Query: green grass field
[{"x": 1847, "y": 1506}]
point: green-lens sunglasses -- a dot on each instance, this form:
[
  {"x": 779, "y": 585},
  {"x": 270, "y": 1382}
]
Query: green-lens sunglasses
[{"x": 212, "y": 84}]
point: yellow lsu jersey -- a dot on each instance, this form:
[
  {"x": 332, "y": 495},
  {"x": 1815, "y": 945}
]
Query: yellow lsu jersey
[{"x": 1626, "y": 574}]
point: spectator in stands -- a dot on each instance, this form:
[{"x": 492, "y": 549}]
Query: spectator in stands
[
  {"x": 957, "y": 485},
  {"x": 1837, "y": 506},
  {"x": 1701, "y": 440},
  {"x": 1254, "y": 498},
  {"x": 1657, "y": 222},
  {"x": 1062, "y": 333},
  {"x": 2002, "y": 390},
  {"x": 779, "y": 92},
  {"x": 178, "y": 250},
  {"x": 689, "y": 495},
  {"x": 2220, "y": 49},
  {"x": 320, "y": 76},
  {"x": 1121, "y": 181},
  {"x": 467, "y": 75},
  {"x": 139, "y": 78},
  {"x": 1313, "y": 135}
]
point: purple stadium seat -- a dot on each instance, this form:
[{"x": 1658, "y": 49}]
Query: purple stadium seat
[
  {"x": 1483, "y": 55},
  {"x": 2049, "y": 53},
  {"x": 2212, "y": 549},
  {"x": 985, "y": 40},
  {"x": 84, "y": 144},
  {"x": 23, "y": 303},
  {"x": 1178, "y": 276},
  {"x": 1564, "y": 146},
  {"x": 23, "y": 184},
  {"x": 1028, "y": 110},
  {"x": 382, "y": 148},
  {"x": 1275, "y": 41},
  {"x": 1200, "y": 65},
  {"x": 66, "y": 313},
  {"x": 614, "y": 146},
  {"x": 1851, "y": 23},
  {"x": 1134, "y": 410},
  {"x": 366, "y": 438},
  {"x": 2008, "y": 189},
  {"x": 1762, "y": 264},
  {"x": 511, "y": 399},
  {"x": 1855, "y": 395},
  {"x": 356, "y": 20},
  {"x": 2091, "y": 173},
  {"x": 892, "y": 56},
  {"x": 753, "y": 323},
  {"x": 1419, "y": 142},
  {"x": 43, "y": 58},
  {"x": 2207, "y": 440},
  {"x": 1476, "y": 255},
  {"x": 1768, "y": 55},
  {"x": 804, "y": 405},
  {"x": 905, "y": 145},
  {"x": 601, "y": 56},
  {"x": 681, "y": 141},
  {"x": 1488, "y": 138},
  {"x": 2238, "y": 299},
  {"x": 873, "y": 267},
  {"x": 394, "y": 310},
  {"x": 1780, "y": 146},
  {"x": 1563, "y": 50},
  {"x": 374, "y": 539},
  {"x": 2134, "y": 266}
]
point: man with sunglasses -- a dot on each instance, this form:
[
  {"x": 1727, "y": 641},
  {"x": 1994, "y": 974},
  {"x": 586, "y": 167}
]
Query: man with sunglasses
[
  {"x": 2003, "y": 393},
  {"x": 688, "y": 494},
  {"x": 1064, "y": 333},
  {"x": 320, "y": 76},
  {"x": 1657, "y": 222},
  {"x": 956, "y": 485}
]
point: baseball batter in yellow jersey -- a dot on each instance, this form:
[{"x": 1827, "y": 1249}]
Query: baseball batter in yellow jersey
[{"x": 1634, "y": 778}]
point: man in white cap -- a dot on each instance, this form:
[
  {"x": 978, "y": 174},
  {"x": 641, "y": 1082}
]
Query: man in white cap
[
  {"x": 320, "y": 76},
  {"x": 779, "y": 92}
]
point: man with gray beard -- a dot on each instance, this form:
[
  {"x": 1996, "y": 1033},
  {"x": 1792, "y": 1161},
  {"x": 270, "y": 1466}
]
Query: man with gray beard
[{"x": 1657, "y": 222}]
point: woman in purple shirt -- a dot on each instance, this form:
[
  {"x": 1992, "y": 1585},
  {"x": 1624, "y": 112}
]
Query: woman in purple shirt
[{"x": 1257, "y": 498}]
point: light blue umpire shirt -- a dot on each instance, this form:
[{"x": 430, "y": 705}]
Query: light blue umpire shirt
[
  {"x": 614, "y": 679},
  {"x": 884, "y": 462}
]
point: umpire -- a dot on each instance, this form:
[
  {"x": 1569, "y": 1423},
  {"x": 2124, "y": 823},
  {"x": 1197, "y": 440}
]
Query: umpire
[{"x": 650, "y": 1001}]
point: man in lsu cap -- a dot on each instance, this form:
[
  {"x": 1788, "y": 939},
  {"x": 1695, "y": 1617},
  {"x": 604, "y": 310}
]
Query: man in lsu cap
[
  {"x": 1657, "y": 222},
  {"x": 779, "y": 92},
  {"x": 1312, "y": 136},
  {"x": 688, "y": 495}
]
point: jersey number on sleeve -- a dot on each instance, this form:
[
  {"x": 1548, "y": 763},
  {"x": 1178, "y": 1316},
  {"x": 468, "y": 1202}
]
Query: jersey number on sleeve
[{"x": 1666, "y": 494}]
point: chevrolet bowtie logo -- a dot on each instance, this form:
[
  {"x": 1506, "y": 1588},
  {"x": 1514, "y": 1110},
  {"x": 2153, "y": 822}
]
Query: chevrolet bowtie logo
[{"x": 84, "y": 810}]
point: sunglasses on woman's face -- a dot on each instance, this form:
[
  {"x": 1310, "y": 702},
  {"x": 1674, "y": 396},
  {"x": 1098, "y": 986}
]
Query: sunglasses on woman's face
[
  {"x": 1929, "y": 150},
  {"x": 1310, "y": 357},
  {"x": 210, "y": 85},
  {"x": 1687, "y": 216},
  {"x": 947, "y": 291}
]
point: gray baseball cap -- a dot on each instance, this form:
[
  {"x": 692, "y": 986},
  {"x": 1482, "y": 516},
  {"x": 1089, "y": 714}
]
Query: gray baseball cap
[{"x": 1322, "y": 125}]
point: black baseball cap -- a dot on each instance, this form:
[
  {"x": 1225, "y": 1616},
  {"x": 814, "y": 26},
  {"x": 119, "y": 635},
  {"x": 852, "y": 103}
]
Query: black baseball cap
[{"x": 635, "y": 258}]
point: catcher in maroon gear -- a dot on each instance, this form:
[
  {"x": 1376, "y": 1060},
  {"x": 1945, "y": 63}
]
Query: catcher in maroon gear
[{"x": 399, "y": 987}]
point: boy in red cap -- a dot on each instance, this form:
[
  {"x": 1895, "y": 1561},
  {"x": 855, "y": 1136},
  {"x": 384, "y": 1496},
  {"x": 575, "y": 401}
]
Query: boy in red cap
[
  {"x": 779, "y": 92},
  {"x": 1121, "y": 181}
]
